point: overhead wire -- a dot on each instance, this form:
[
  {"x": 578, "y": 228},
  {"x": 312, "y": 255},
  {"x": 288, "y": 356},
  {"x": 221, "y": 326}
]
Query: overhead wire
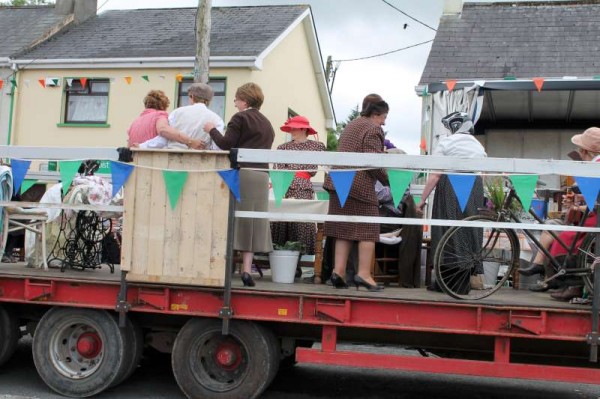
[
  {"x": 409, "y": 16},
  {"x": 386, "y": 53}
]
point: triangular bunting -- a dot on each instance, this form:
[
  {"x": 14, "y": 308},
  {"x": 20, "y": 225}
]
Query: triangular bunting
[
  {"x": 539, "y": 82},
  {"x": 68, "y": 169},
  {"x": 27, "y": 183},
  {"x": 589, "y": 187},
  {"x": 179, "y": 77},
  {"x": 146, "y": 78},
  {"x": 69, "y": 82},
  {"x": 231, "y": 177},
  {"x": 55, "y": 81},
  {"x": 399, "y": 181},
  {"x": 524, "y": 186},
  {"x": 83, "y": 81},
  {"x": 174, "y": 181},
  {"x": 128, "y": 79},
  {"x": 19, "y": 170},
  {"x": 42, "y": 82},
  {"x": 423, "y": 144},
  {"x": 462, "y": 185},
  {"x": 281, "y": 180},
  {"x": 120, "y": 173},
  {"x": 450, "y": 84},
  {"x": 1, "y": 83},
  {"x": 425, "y": 91},
  {"x": 342, "y": 181}
]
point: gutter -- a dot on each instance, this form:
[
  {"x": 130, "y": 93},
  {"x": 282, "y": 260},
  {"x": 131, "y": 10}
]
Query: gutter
[
  {"x": 12, "y": 106},
  {"x": 566, "y": 83}
]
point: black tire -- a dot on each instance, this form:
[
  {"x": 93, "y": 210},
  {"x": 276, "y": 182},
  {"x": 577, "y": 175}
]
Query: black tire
[
  {"x": 9, "y": 334},
  {"x": 134, "y": 347},
  {"x": 78, "y": 352},
  {"x": 287, "y": 362},
  {"x": 200, "y": 350},
  {"x": 274, "y": 349},
  {"x": 466, "y": 251},
  {"x": 585, "y": 260}
]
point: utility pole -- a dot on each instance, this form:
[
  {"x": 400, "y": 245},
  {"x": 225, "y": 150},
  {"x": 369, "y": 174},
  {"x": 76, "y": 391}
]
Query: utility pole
[{"x": 202, "y": 41}]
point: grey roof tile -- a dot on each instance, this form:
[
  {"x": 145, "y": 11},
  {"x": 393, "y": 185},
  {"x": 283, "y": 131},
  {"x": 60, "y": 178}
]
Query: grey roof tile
[
  {"x": 491, "y": 40},
  {"x": 236, "y": 31}
]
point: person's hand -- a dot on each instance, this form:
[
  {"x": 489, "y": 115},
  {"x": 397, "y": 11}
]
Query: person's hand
[
  {"x": 197, "y": 145},
  {"x": 208, "y": 126},
  {"x": 420, "y": 207}
]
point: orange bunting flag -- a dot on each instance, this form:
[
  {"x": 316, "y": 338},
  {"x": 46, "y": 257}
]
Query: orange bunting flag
[
  {"x": 450, "y": 84},
  {"x": 179, "y": 77},
  {"x": 1, "y": 83},
  {"x": 423, "y": 145},
  {"x": 83, "y": 81},
  {"x": 128, "y": 79},
  {"x": 42, "y": 82},
  {"x": 539, "y": 82}
]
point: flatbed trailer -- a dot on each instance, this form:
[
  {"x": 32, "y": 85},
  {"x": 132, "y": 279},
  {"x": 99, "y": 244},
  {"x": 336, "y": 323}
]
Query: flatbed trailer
[{"x": 228, "y": 342}]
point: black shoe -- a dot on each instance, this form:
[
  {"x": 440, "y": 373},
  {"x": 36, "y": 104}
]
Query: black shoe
[
  {"x": 534, "y": 268},
  {"x": 568, "y": 293},
  {"x": 361, "y": 282},
  {"x": 247, "y": 280},
  {"x": 337, "y": 281}
]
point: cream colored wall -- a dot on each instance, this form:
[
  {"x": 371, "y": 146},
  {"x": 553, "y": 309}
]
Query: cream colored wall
[{"x": 287, "y": 79}]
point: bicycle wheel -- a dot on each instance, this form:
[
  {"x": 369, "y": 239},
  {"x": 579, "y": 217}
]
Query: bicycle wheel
[
  {"x": 467, "y": 251},
  {"x": 585, "y": 259}
]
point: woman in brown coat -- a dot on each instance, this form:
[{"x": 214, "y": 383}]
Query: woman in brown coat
[
  {"x": 363, "y": 134},
  {"x": 249, "y": 129}
]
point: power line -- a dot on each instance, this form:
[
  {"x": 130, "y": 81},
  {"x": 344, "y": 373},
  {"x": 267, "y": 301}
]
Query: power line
[
  {"x": 102, "y": 5},
  {"x": 386, "y": 53},
  {"x": 413, "y": 18}
]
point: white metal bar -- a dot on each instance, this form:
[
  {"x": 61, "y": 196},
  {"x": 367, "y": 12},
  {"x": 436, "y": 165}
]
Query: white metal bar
[
  {"x": 303, "y": 217},
  {"x": 74, "y": 207},
  {"x": 425, "y": 162},
  {"x": 58, "y": 153}
]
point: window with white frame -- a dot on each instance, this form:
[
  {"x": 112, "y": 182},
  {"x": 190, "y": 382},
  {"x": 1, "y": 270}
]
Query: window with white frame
[
  {"x": 86, "y": 101},
  {"x": 217, "y": 105}
]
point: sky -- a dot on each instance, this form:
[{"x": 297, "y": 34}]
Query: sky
[{"x": 349, "y": 29}]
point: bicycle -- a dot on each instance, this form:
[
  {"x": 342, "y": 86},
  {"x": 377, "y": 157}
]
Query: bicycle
[{"x": 464, "y": 251}]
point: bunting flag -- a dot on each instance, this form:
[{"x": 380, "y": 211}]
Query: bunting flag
[
  {"x": 68, "y": 169},
  {"x": 55, "y": 81},
  {"x": 231, "y": 177},
  {"x": 342, "y": 181},
  {"x": 174, "y": 180},
  {"x": 179, "y": 77},
  {"x": 524, "y": 186},
  {"x": 399, "y": 181},
  {"x": 14, "y": 82},
  {"x": 281, "y": 181},
  {"x": 42, "y": 82},
  {"x": 423, "y": 144},
  {"x": 120, "y": 173},
  {"x": 1, "y": 83},
  {"x": 27, "y": 183},
  {"x": 69, "y": 82},
  {"x": 462, "y": 185},
  {"x": 128, "y": 79},
  {"x": 539, "y": 82},
  {"x": 417, "y": 199},
  {"x": 146, "y": 78},
  {"x": 450, "y": 84},
  {"x": 83, "y": 81},
  {"x": 19, "y": 170},
  {"x": 589, "y": 187},
  {"x": 425, "y": 91}
]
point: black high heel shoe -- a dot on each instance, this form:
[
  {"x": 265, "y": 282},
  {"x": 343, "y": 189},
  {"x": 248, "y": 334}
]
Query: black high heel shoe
[
  {"x": 247, "y": 280},
  {"x": 361, "y": 282},
  {"x": 337, "y": 281}
]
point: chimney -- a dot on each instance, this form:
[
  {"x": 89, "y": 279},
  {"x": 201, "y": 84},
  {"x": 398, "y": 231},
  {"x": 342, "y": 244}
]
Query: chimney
[
  {"x": 84, "y": 9},
  {"x": 452, "y": 7},
  {"x": 63, "y": 7}
]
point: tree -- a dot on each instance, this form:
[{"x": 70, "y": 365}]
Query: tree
[
  {"x": 333, "y": 135},
  {"x": 202, "y": 41}
]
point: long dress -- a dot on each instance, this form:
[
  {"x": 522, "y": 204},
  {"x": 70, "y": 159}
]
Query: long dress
[{"x": 301, "y": 188}]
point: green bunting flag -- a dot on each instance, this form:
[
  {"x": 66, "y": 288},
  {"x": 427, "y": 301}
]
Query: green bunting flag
[
  {"x": 26, "y": 185},
  {"x": 399, "y": 181},
  {"x": 67, "y": 171},
  {"x": 174, "y": 180},
  {"x": 146, "y": 78},
  {"x": 524, "y": 186},
  {"x": 281, "y": 180}
]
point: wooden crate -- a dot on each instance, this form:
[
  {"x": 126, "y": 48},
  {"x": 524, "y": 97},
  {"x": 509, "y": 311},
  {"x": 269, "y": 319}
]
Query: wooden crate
[{"x": 185, "y": 245}]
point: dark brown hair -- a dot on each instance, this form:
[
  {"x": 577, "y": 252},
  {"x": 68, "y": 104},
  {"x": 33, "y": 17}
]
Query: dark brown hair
[
  {"x": 370, "y": 98},
  {"x": 377, "y": 108},
  {"x": 156, "y": 99},
  {"x": 251, "y": 93}
]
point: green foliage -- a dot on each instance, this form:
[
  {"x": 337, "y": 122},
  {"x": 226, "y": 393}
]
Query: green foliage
[
  {"x": 496, "y": 192},
  {"x": 290, "y": 246}
]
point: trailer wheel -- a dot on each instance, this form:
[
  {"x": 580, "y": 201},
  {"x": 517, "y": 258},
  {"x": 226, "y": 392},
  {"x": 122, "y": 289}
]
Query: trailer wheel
[
  {"x": 134, "y": 347},
  {"x": 207, "y": 364},
  {"x": 274, "y": 349},
  {"x": 78, "y": 351},
  {"x": 9, "y": 335}
]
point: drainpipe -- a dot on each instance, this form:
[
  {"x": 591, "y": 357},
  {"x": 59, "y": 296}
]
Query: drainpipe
[{"x": 12, "y": 104}]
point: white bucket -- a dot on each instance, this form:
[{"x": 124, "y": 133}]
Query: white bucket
[
  {"x": 490, "y": 272},
  {"x": 283, "y": 265}
]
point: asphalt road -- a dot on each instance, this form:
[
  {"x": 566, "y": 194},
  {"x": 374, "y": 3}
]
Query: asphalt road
[{"x": 154, "y": 380}]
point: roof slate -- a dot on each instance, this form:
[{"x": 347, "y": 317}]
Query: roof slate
[
  {"x": 235, "y": 31},
  {"x": 22, "y": 26},
  {"x": 494, "y": 40}
]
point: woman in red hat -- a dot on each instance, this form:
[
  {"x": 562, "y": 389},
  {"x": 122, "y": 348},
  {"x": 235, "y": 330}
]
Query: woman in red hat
[{"x": 301, "y": 188}]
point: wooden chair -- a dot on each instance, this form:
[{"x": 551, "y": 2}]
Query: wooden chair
[{"x": 16, "y": 218}]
